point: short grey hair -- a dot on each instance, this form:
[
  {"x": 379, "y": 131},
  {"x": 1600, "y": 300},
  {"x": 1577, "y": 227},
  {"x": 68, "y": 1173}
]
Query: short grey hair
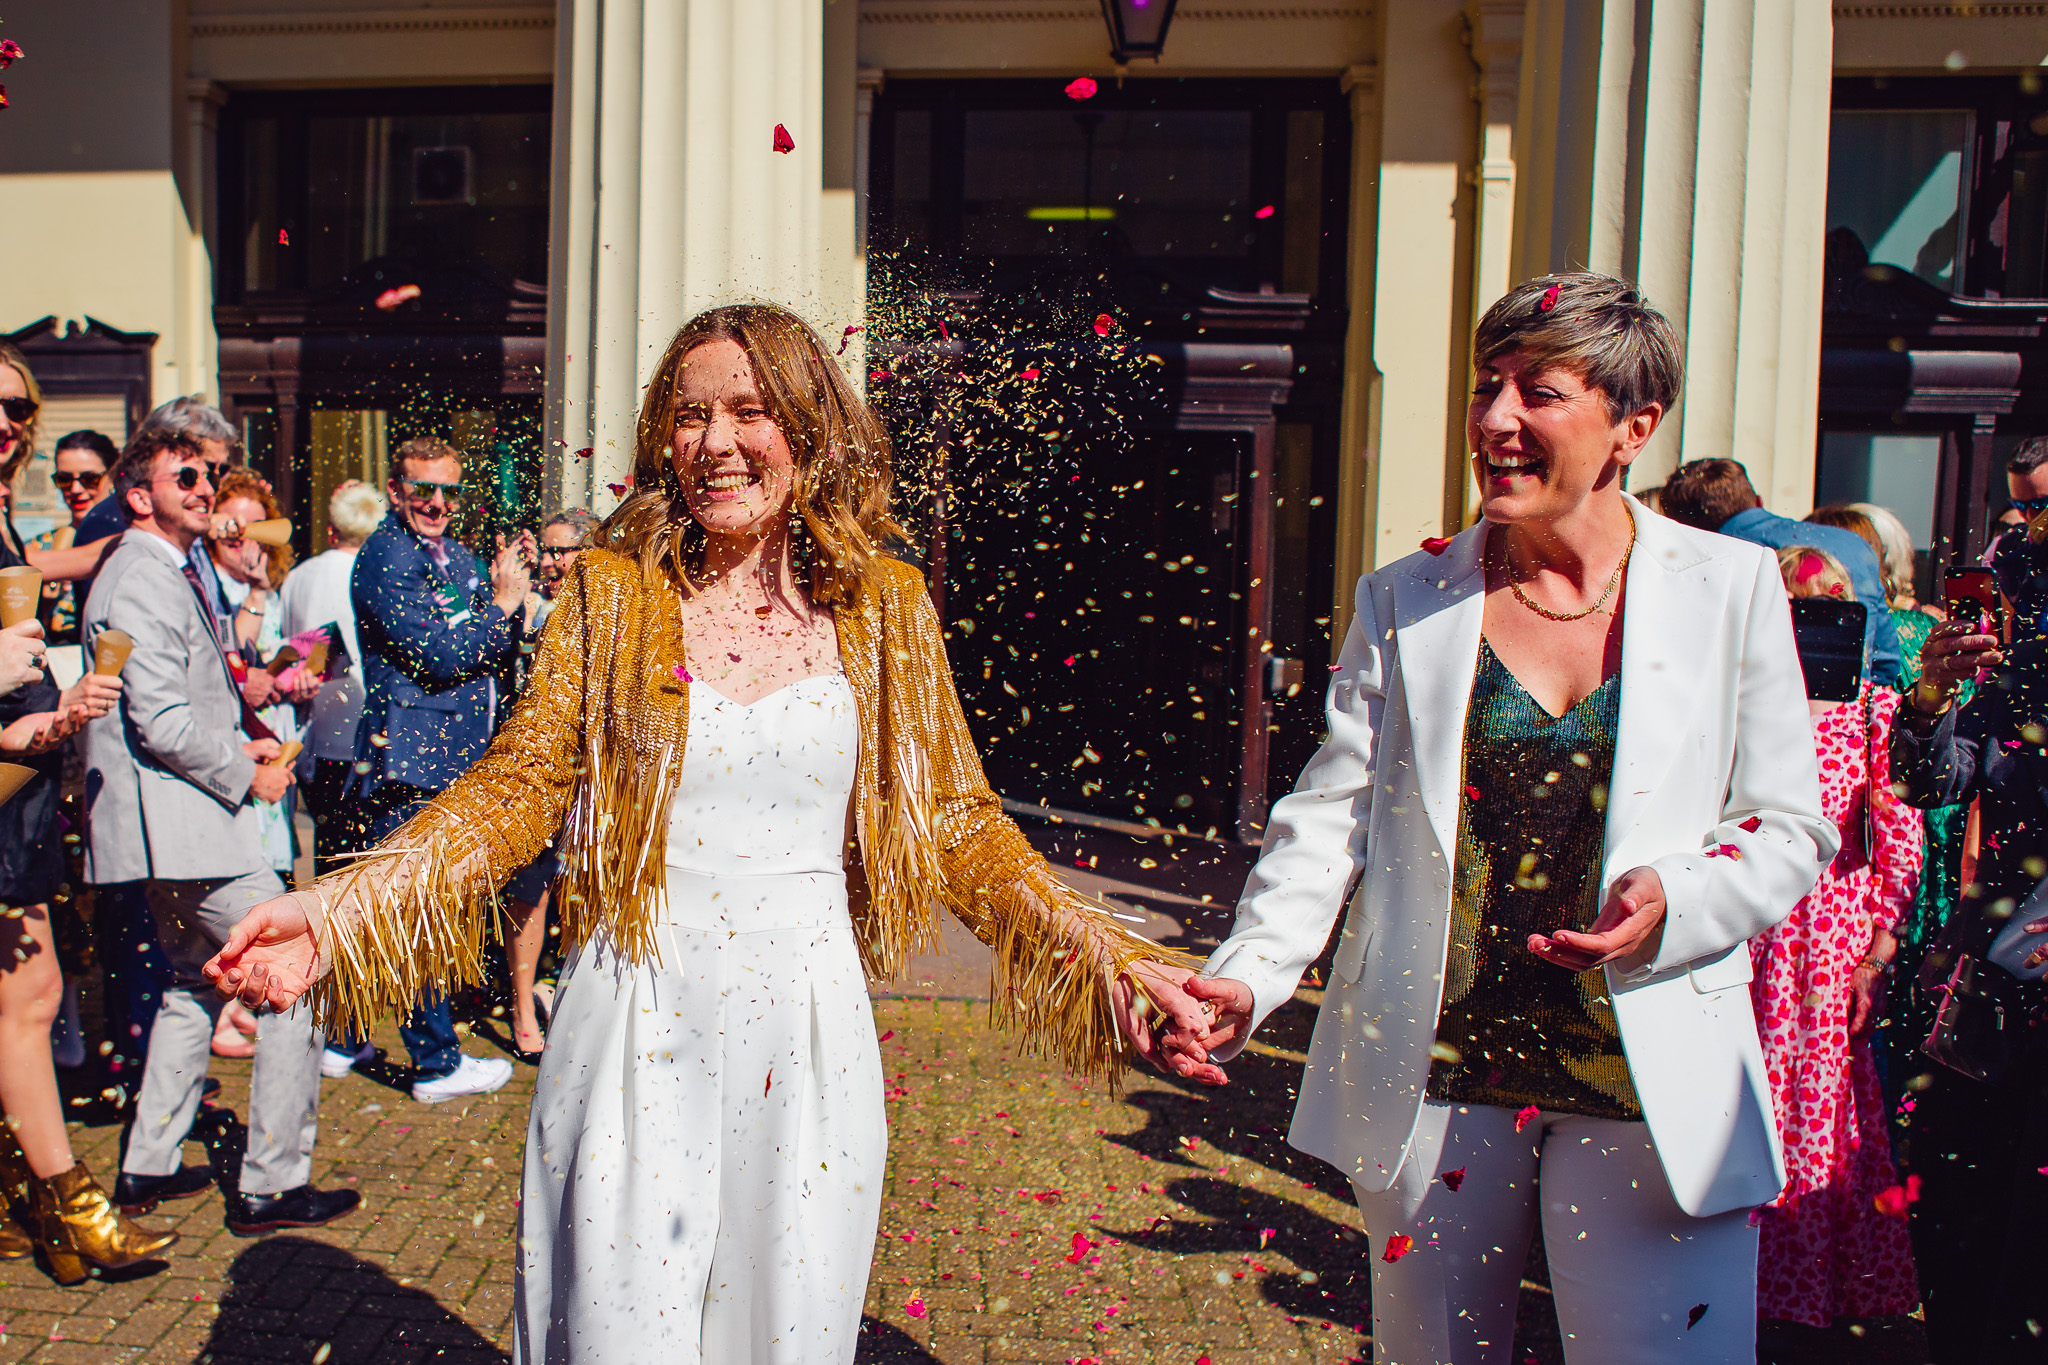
[
  {"x": 1594, "y": 326},
  {"x": 196, "y": 420},
  {"x": 578, "y": 519},
  {"x": 354, "y": 511}
]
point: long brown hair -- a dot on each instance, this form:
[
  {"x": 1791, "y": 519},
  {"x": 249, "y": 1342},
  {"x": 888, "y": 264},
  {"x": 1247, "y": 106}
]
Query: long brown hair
[
  {"x": 843, "y": 473},
  {"x": 25, "y": 439}
]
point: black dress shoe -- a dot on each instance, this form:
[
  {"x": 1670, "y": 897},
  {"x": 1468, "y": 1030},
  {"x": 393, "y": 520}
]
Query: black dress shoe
[
  {"x": 208, "y": 1088},
  {"x": 304, "y": 1207},
  {"x": 138, "y": 1194}
]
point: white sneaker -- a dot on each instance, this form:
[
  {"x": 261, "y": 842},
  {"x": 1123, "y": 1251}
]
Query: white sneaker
[
  {"x": 473, "y": 1076},
  {"x": 334, "y": 1063}
]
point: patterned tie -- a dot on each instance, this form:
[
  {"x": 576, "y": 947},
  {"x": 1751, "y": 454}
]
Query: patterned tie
[{"x": 252, "y": 724}]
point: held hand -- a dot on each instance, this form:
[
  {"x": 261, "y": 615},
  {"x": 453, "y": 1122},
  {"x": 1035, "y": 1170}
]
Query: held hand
[
  {"x": 1163, "y": 987},
  {"x": 1954, "y": 653},
  {"x": 21, "y": 655},
  {"x": 96, "y": 692},
  {"x": 270, "y": 784},
  {"x": 304, "y": 685},
  {"x": 259, "y": 689},
  {"x": 269, "y": 959},
  {"x": 1627, "y": 927},
  {"x": 1229, "y": 1005},
  {"x": 46, "y": 731},
  {"x": 512, "y": 571},
  {"x": 2040, "y": 954},
  {"x": 262, "y": 750}
]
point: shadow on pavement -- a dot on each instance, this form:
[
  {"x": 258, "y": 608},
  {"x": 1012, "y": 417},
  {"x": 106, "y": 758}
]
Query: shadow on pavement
[
  {"x": 287, "y": 1297},
  {"x": 882, "y": 1344}
]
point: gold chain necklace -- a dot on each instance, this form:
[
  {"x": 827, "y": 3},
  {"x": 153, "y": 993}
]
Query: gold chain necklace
[{"x": 1612, "y": 584}]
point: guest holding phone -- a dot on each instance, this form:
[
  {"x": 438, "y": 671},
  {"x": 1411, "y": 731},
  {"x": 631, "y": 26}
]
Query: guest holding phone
[
  {"x": 1979, "y": 1127},
  {"x": 1570, "y": 768},
  {"x": 1833, "y": 1246}
]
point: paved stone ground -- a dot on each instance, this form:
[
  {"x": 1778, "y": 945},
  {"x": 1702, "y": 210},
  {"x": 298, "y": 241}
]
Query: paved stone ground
[{"x": 1201, "y": 1233}]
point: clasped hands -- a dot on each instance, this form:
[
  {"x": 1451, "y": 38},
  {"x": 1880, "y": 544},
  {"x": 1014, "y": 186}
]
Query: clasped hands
[{"x": 1201, "y": 1015}]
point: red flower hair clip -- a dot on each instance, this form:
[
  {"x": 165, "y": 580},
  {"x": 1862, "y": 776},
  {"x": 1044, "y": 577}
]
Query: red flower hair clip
[{"x": 1549, "y": 300}]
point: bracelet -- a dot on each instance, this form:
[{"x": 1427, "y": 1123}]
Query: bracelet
[{"x": 1877, "y": 962}]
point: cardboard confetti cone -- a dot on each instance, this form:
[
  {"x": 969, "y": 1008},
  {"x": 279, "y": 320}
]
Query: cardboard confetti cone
[
  {"x": 291, "y": 750},
  {"x": 286, "y": 657},
  {"x": 13, "y": 777},
  {"x": 276, "y": 531},
  {"x": 110, "y": 650},
  {"x": 316, "y": 660},
  {"x": 20, "y": 588}
]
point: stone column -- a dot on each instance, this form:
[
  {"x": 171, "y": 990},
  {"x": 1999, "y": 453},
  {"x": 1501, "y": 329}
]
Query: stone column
[
  {"x": 1494, "y": 30},
  {"x": 199, "y": 193},
  {"x": 669, "y": 198},
  {"x": 1683, "y": 144}
]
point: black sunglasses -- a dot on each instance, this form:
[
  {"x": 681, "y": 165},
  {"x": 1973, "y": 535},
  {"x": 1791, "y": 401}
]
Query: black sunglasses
[
  {"x": 2031, "y": 506},
  {"x": 188, "y": 476},
  {"x": 18, "y": 410},
  {"x": 85, "y": 479}
]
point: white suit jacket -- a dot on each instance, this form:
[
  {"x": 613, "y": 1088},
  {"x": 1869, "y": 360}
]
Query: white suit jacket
[{"x": 1713, "y": 734}]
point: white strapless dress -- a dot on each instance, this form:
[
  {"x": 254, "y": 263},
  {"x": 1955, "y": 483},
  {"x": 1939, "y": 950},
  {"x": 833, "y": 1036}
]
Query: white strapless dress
[{"x": 704, "y": 1162}]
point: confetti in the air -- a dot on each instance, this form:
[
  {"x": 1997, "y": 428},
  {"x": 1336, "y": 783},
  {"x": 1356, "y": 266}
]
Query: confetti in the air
[
  {"x": 682, "y": 674},
  {"x": 1471, "y": 793},
  {"x": 1081, "y": 88},
  {"x": 1895, "y": 1200},
  {"x": 586, "y": 452},
  {"x": 769, "y": 1083},
  {"x": 283, "y": 238},
  {"x": 1453, "y": 1179},
  {"x": 1699, "y": 1310},
  {"x": 783, "y": 141},
  {"x": 618, "y": 489},
  {"x": 1031, "y": 373},
  {"x": 1398, "y": 1245},
  {"x": 916, "y": 1308},
  {"x": 1104, "y": 324},
  {"x": 1523, "y": 1118},
  {"x": 846, "y": 338},
  {"x": 10, "y": 53},
  {"x": 1436, "y": 545},
  {"x": 391, "y": 298},
  {"x": 1265, "y": 1236},
  {"x": 1263, "y": 211}
]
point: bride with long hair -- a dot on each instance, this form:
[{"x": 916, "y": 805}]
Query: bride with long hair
[{"x": 743, "y": 723}]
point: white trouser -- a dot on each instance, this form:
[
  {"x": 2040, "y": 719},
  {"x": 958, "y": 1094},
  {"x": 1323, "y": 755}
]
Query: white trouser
[{"x": 1627, "y": 1265}]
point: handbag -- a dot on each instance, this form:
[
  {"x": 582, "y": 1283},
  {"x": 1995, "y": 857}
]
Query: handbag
[{"x": 1970, "y": 1033}]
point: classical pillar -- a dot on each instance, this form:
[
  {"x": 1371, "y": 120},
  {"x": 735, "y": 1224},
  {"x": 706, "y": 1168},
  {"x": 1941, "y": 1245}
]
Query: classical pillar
[
  {"x": 1683, "y": 144},
  {"x": 199, "y": 195},
  {"x": 1355, "y": 482},
  {"x": 1494, "y": 30},
  {"x": 669, "y": 197}
]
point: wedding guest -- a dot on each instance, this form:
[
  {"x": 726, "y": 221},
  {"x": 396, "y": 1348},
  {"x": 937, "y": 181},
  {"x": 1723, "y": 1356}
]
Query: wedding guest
[
  {"x": 748, "y": 708},
  {"x": 1830, "y": 1249},
  {"x": 177, "y": 778},
  {"x": 1570, "y": 767},
  {"x": 81, "y": 462},
  {"x": 439, "y": 637},
  {"x": 1716, "y": 495},
  {"x": 1975, "y": 1143}
]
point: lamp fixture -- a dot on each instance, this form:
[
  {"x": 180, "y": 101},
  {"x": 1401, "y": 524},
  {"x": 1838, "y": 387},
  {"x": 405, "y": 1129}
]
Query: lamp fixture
[{"x": 1137, "y": 28}]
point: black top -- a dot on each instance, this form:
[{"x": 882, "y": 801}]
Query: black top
[
  {"x": 31, "y": 859},
  {"x": 1515, "y": 1030}
]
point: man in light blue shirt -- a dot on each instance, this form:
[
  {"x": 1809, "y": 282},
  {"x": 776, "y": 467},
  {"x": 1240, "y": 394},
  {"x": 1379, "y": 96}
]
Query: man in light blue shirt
[{"x": 1716, "y": 495}]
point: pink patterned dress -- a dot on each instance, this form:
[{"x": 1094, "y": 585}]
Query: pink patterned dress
[{"x": 1827, "y": 1249}]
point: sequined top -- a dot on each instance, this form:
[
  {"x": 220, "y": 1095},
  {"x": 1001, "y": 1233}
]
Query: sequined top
[{"x": 1515, "y": 1030}]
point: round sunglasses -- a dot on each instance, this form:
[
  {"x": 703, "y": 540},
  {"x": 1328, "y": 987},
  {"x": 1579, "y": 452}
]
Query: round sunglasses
[{"x": 85, "y": 479}]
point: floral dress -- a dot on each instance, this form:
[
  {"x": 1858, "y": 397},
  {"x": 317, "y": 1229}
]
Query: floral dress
[{"x": 1828, "y": 1250}]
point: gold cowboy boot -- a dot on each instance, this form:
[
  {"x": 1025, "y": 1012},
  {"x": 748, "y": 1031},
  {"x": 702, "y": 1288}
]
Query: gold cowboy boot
[
  {"x": 15, "y": 1243},
  {"x": 77, "y": 1227}
]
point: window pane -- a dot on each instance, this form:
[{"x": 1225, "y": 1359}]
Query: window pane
[
  {"x": 1893, "y": 470},
  {"x": 1896, "y": 179},
  {"x": 1169, "y": 183}
]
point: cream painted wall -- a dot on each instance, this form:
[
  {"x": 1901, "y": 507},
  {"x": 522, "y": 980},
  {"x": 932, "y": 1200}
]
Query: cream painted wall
[
  {"x": 273, "y": 43},
  {"x": 1912, "y": 36},
  {"x": 1068, "y": 37}
]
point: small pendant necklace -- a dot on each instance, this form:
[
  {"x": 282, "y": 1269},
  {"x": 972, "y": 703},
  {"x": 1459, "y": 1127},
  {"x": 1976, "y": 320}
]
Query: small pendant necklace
[{"x": 1545, "y": 612}]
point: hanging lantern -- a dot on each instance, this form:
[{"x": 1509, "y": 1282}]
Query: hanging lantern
[{"x": 1137, "y": 28}]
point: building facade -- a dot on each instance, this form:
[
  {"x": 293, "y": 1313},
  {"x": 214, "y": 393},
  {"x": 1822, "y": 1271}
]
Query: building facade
[{"x": 1169, "y": 363}]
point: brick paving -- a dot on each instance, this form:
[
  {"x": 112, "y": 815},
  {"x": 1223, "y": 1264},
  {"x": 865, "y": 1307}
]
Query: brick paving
[{"x": 1201, "y": 1232}]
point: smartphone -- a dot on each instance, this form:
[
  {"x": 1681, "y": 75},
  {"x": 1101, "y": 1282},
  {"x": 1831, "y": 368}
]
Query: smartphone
[
  {"x": 1969, "y": 593},
  {"x": 1829, "y": 633}
]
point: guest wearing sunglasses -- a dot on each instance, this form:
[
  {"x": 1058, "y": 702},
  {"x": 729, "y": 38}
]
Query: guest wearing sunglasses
[
  {"x": 2020, "y": 556},
  {"x": 440, "y": 637},
  {"x": 82, "y": 459}
]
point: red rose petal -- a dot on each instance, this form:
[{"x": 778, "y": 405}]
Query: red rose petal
[
  {"x": 1031, "y": 373},
  {"x": 783, "y": 141},
  {"x": 1398, "y": 1245},
  {"x": 1436, "y": 545},
  {"x": 1081, "y": 88},
  {"x": 1692, "y": 1319},
  {"x": 1471, "y": 793},
  {"x": 1752, "y": 824},
  {"x": 1528, "y": 1112},
  {"x": 1453, "y": 1179},
  {"x": 916, "y": 1308},
  {"x": 1104, "y": 324}
]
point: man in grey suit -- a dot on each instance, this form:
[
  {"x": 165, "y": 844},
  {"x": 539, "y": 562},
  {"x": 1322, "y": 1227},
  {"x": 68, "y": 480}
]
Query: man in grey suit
[{"x": 172, "y": 778}]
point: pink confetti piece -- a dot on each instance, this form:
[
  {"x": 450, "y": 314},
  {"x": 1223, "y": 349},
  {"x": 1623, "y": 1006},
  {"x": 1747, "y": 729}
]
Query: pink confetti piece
[
  {"x": 283, "y": 238},
  {"x": 1523, "y": 1118},
  {"x": 10, "y": 53},
  {"x": 1549, "y": 298},
  {"x": 784, "y": 143},
  {"x": 1894, "y": 1201},
  {"x": 1728, "y": 851},
  {"x": 846, "y": 339},
  {"x": 1263, "y": 211},
  {"x": 1031, "y": 373},
  {"x": 1398, "y": 1245},
  {"x": 1104, "y": 324},
  {"x": 916, "y": 1307},
  {"x": 1070, "y": 659},
  {"x": 682, "y": 674},
  {"x": 391, "y": 298},
  {"x": 1265, "y": 1236},
  {"x": 1081, "y": 88},
  {"x": 1082, "y": 1246}
]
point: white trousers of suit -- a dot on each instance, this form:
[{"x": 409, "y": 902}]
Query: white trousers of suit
[
  {"x": 193, "y": 920},
  {"x": 1627, "y": 1265}
]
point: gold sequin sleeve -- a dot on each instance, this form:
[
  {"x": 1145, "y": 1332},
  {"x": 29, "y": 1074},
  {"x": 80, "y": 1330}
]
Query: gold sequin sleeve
[
  {"x": 1057, "y": 953},
  {"x": 415, "y": 912}
]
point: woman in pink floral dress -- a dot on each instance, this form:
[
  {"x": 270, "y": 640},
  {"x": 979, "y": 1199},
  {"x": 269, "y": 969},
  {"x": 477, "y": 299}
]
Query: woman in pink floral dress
[{"x": 1835, "y": 1242}]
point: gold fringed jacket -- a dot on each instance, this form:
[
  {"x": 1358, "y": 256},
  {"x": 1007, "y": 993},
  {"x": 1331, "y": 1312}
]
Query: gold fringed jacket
[{"x": 594, "y": 749}]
